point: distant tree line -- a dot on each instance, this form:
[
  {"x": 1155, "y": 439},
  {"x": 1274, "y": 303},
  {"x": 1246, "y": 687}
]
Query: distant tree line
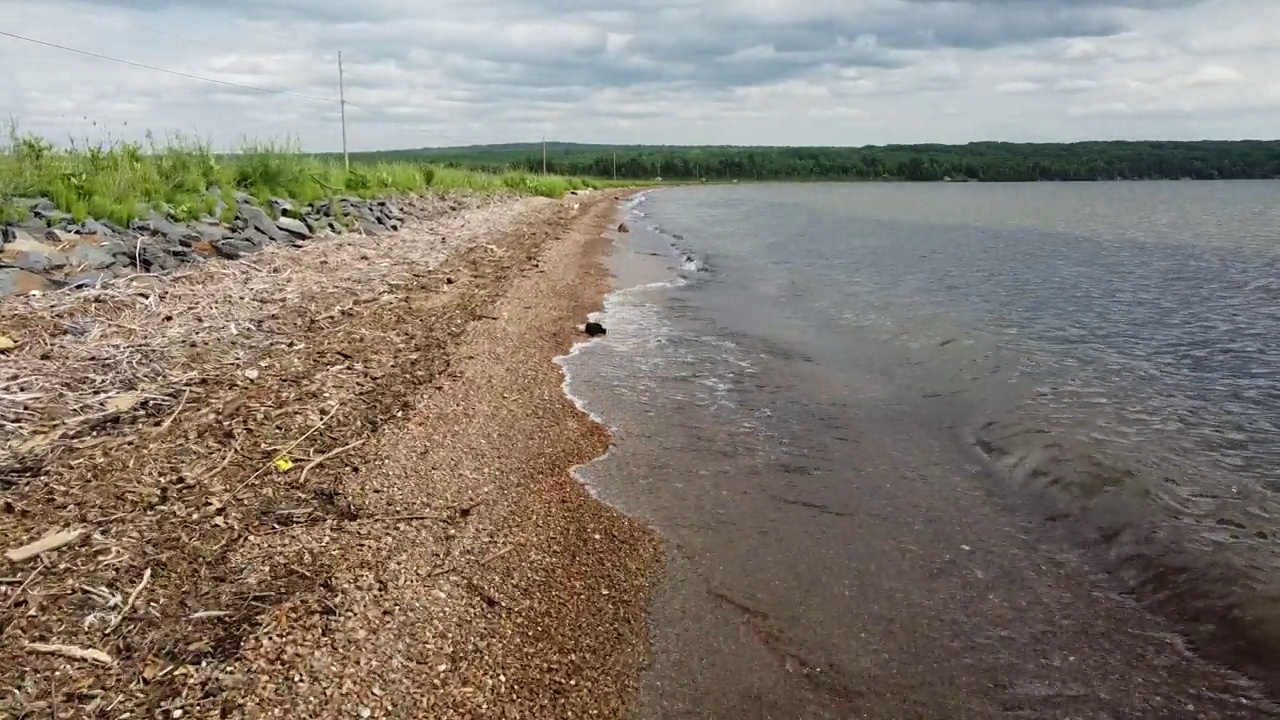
[{"x": 984, "y": 161}]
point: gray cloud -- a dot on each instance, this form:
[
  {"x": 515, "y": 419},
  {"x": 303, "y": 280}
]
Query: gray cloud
[{"x": 637, "y": 69}]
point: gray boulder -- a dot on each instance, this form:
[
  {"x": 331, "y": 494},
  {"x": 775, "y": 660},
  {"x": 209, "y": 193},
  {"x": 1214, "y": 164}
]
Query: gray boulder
[
  {"x": 57, "y": 236},
  {"x": 15, "y": 281},
  {"x": 234, "y": 248},
  {"x": 282, "y": 207},
  {"x": 209, "y": 230},
  {"x": 294, "y": 227},
  {"x": 257, "y": 239},
  {"x": 160, "y": 254},
  {"x": 26, "y": 253},
  {"x": 33, "y": 227},
  {"x": 95, "y": 256},
  {"x": 158, "y": 224},
  {"x": 259, "y": 220},
  {"x": 93, "y": 227},
  {"x": 88, "y": 279},
  {"x": 43, "y": 208}
]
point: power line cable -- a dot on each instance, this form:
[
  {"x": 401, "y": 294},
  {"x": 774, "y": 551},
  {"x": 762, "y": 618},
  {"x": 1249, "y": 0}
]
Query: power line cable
[
  {"x": 166, "y": 70},
  {"x": 226, "y": 83}
]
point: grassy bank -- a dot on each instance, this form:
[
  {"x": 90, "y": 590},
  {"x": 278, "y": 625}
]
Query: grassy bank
[{"x": 119, "y": 182}]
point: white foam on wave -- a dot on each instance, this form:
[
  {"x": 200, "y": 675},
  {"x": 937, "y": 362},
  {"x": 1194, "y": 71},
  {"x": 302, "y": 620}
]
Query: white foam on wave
[{"x": 631, "y": 321}]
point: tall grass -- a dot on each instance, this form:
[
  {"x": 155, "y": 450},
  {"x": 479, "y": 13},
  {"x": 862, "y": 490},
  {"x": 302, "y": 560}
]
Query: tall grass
[{"x": 184, "y": 177}]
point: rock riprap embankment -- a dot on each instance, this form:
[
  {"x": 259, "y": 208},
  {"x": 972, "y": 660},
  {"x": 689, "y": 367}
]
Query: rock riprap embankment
[{"x": 49, "y": 250}]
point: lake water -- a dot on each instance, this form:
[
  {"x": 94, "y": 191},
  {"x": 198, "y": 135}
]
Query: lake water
[{"x": 1096, "y": 364}]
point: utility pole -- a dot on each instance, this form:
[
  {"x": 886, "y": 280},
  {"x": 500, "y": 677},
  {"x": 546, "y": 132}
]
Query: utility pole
[
  {"x": 615, "y": 166},
  {"x": 342, "y": 104},
  {"x": 544, "y": 154}
]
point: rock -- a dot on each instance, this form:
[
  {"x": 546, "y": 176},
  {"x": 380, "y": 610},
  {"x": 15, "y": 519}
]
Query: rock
[
  {"x": 294, "y": 227},
  {"x": 93, "y": 227},
  {"x": 7, "y": 343},
  {"x": 57, "y": 219},
  {"x": 43, "y": 208},
  {"x": 282, "y": 207},
  {"x": 114, "y": 228},
  {"x": 26, "y": 253},
  {"x": 622, "y": 227},
  {"x": 14, "y": 281},
  {"x": 91, "y": 255},
  {"x": 88, "y": 279},
  {"x": 315, "y": 222},
  {"x": 593, "y": 329},
  {"x": 234, "y": 248},
  {"x": 24, "y": 260},
  {"x": 370, "y": 227},
  {"x": 258, "y": 219},
  {"x": 259, "y": 240},
  {"x": 34, "y": 228},
  {"x": 161, "y": 254},
  {"x": 160, "y": 225},
  {"x": 57, "y": 236},
  {"x": 209, "y": 230}
]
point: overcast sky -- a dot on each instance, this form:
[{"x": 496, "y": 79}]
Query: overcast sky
[{"x": 793, "y": 72}]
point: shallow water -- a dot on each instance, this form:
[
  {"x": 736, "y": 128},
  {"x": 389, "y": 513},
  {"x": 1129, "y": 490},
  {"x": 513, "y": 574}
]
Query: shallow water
[{"x": 1106, "y": 351}]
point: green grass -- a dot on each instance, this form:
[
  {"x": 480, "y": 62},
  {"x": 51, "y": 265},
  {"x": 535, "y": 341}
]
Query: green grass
[{"x": 121, "y": 181}]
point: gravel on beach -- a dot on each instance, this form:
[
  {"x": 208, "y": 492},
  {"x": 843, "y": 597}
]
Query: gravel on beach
[{"x": 331, "y": 481}]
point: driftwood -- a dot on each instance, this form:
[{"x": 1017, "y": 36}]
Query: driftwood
[
  {"x": 52, "y": 541},
  {"x": 73, "y": 652}
]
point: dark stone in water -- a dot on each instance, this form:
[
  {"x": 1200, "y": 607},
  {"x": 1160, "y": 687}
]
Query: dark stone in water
[
  {"x": 594, "y": 329},
  {"x": 622, "y": 227}
]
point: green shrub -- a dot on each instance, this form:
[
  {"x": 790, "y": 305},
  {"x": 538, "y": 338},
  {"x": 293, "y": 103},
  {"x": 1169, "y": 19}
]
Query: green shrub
[{"x": 119, "y": 181}]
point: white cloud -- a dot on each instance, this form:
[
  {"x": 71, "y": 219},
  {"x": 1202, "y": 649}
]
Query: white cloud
[
  {"x": 1016, "y": 87},
  {"x": 656, "y": 71}
]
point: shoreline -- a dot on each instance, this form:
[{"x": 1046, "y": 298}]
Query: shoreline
[{"x": 430, "y": 551}]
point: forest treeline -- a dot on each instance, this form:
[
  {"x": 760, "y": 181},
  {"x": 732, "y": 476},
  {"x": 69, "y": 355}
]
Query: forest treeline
[{"x": 982, "y": 161}]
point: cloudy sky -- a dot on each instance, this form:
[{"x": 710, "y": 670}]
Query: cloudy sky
[{"x": 795, "y": 72}]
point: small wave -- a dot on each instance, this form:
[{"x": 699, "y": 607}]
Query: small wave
[
  {"x": 566, "y": 384},
  {"x": 1148, "y": 538}
]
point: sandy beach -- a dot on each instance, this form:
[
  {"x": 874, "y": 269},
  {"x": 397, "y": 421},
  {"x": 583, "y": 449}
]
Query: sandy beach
[{"x": 323, "y": 482}]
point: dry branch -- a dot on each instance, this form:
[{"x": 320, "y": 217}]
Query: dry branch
[
  {"x": 133, "y": 597},
  {"x": 52, "y": 541},
  {"x": 280, "y": 454},
  {"x": 327, "y": 456},
  {"x": 73, "y": 652}
]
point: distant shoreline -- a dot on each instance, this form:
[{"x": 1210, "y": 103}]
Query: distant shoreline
[{"x": 983, "y": 161}]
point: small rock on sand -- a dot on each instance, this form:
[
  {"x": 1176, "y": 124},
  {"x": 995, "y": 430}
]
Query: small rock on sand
[
  {"x": 593, "y": 329},
  {"x": 622, "y": 227}
]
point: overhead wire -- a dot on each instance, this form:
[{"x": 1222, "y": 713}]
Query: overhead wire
[
  {"x": 201, "y": 78},
  {"x": 166, "y": 70}
]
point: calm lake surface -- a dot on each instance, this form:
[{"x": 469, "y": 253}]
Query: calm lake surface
[{"x": 1108, "y": 354}]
